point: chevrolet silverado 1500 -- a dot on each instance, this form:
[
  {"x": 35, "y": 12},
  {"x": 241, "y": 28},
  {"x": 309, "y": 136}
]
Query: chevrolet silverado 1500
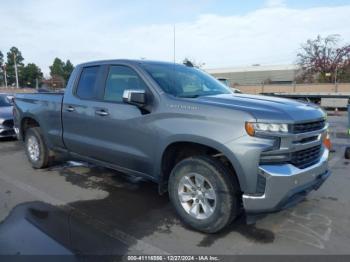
[{"x": 215, "y": 152}]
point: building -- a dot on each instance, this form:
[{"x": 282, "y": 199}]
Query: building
[{"x": 256, "y": 74}]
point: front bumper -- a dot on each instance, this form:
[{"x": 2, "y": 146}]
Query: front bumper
[{"x": 286, "y": 185}]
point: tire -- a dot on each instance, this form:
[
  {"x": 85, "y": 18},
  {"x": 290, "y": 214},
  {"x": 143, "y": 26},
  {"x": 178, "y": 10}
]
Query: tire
[
  {"x": 347, "y": 153},
  {"x": 221, "y": 211},
  {"x": 36, "y": 149}
]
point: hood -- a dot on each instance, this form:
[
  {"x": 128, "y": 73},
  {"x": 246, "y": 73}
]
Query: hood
[
  {"x": 6, "y": 112},
  {"x": 267, "y": 108}
]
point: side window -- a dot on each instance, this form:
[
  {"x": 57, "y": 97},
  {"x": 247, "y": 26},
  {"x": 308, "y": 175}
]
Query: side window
[
  {"x": 87, "y": 82},
  {"x": 121, "y": 78}
]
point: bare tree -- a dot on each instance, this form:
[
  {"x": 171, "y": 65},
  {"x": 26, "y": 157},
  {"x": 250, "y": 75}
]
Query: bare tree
[{"x": 323, "y": 59}]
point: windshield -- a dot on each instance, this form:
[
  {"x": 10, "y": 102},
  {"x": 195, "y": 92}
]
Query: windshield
[
  {"x": 4, "y": 101},
  {"x": 183, "y": 81}
]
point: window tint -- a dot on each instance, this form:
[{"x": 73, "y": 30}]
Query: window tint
[
  {"x": 121, "y": 78},
  {"x": 87, "y": 81}
]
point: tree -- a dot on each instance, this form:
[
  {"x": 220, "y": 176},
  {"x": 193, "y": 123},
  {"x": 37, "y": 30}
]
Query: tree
[
  {"x": 57, "y": 67},
  {"x": 1, "y": 59},
  {"x": 60, "y": 72},
  {"x": 344, "y": 74},
  {"x": 31, "y": 75},
  {"x": 13, "y": 54},
  {"x": 323, "y": 59},
  {"x": 67, "y": 70},
  {"x": 1, "y": 68}
]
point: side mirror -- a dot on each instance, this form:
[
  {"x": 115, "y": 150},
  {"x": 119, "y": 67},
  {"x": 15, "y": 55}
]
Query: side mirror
[
  {"x": 135, "y": 97},
  {"x": 11, "y": 99}
]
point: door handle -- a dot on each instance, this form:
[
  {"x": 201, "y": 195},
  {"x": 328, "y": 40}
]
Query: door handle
[
  {"x": 101, "y": 112},
  {"x": 70, "y": 108}
]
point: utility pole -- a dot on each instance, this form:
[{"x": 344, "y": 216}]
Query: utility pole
[
  {"x": 16, "y": 71},
  {"x": 335, "y": 79}
]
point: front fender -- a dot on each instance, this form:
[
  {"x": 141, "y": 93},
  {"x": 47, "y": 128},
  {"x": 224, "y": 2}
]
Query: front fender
[
  {"x": 204, "y": 141},
  {"x": 242, "y": 152}
]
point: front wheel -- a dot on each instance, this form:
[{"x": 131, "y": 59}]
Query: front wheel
[
  {"x": 36, "y": 149},
  {"x": 204, "y": 193}
]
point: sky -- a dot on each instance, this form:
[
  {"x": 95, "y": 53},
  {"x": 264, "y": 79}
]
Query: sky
[{"x": 218, "y": 33}]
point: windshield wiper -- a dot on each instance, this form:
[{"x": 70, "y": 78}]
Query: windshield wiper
[{"x": 188, "y": 96}]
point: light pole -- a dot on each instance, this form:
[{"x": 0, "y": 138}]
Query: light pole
[{"x": 16, "y": 71}]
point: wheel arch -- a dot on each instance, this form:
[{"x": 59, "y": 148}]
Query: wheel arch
[
  {"x": 26, "y": 123},
  {"x": 176, "y": 150}
]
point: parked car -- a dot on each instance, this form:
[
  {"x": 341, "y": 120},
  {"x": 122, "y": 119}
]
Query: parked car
[
  {"x": 6, "y": 116},
  {"x": 214, "y": 151}
]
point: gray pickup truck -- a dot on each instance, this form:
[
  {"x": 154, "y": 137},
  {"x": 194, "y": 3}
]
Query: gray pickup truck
[{"x": 215, "y": 152}]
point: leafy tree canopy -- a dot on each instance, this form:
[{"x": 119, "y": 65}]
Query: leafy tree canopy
[
  {"x": 67, "y": 70},
  {"x": 61, "y": 70},
  {"x": 57, "y": 67},
  {"x": 31, "y": 75},
  {"x": 1, "y": 59}
]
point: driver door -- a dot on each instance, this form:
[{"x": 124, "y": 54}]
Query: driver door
[{"x": 125, "y": 137}]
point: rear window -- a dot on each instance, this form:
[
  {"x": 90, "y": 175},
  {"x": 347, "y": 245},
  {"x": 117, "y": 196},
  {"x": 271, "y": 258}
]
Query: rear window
[{"x": 87, "y": 82}]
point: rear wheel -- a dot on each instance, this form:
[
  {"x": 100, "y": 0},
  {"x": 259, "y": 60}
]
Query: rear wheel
[
  {"x": 347, "y": 153},
  {"x": 204, "y": 193},
  {"x": 36, "y": 149}
]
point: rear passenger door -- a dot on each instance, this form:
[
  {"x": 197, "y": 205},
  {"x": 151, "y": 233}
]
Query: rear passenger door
[{"x": 80, "y": 132}]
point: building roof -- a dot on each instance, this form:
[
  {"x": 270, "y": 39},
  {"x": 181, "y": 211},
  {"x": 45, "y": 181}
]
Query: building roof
[
  {"x": 253, "y": 68},
  {"x": 256, "y": 74}
]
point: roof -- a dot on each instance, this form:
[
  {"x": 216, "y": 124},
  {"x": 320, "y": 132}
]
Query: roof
[{"x": 126, "y": 61}]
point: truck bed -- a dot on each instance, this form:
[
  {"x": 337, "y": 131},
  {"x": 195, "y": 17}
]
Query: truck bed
[{"x": 47, "y": 109}]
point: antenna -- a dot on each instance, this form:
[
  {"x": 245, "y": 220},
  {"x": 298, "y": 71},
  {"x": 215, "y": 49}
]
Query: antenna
[
  {"x": 174, "y": 43},
  {"x": 174, "y": 58}
]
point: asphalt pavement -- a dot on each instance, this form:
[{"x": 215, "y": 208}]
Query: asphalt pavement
[{"x": 75, "y": 207}]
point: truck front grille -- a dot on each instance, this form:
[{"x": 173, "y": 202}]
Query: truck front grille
[
  {"x": 308, "y": 127},
  {"x": 307, "y": 157},
  {"x": 7, "y": 133}
]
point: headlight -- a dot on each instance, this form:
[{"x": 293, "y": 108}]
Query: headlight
[{"x": 253, "y": 127}]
